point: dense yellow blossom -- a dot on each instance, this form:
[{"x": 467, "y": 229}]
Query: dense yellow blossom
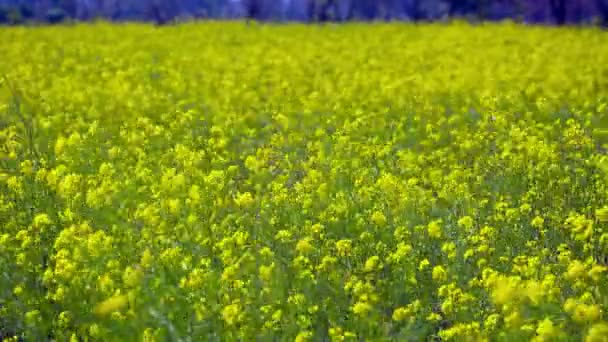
[{"x": 377, "y": 182}]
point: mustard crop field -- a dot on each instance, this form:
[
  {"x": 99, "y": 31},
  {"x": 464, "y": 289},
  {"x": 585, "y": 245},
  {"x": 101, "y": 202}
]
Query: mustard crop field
[{"x": 281, "y": 182}]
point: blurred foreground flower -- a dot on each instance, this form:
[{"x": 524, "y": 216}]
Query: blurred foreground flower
[{"x": 111, "y": 305}]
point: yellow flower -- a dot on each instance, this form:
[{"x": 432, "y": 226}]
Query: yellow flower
[
  {"x": 597, "y": 333},
  {"x": 534, "y": 291},
  {"x": 194, "y": 194},
  {"x": 525, "y": 208},
  {"x": 439, "y": 273},
  {"x": 513, "y": 320},
  {"x": 277, "y": 315},
  {"x": 371, "y": 264},
  {"x": 304, "y": 246},
  {"x": 266, "y": 272},
  {"x": 491, "y": 322},
  {"x": 132, "y": 276},
  {"x": 244, "y": 200},
  {"x": 174, "y": 205},
  {"x": 466, "y": 222},
  {"x": 538, "y": 222},
  {"x": 576, "y": 270},
  {"x": 596, "y": 272},
  {"x": 32, "y": 317},
  {"x": 283, "y": 235},
  {"x": 41, "y": 220},
  {"x": 449, "y": 248},
  {"x": 147, "y": 259},
  {"x": 546, "y": 329},
  {"x": 60, "y": 144},
  {"x": 232, "y": 313},
  {"x": 361, "y": 308},
  {"x": 326, "y": 263},
  {"x": 111, "y": 305},
  {"x": 400, "y": 314},
  {"x": 344, "y": 247},
  {"x": 602, "y": 214},
  {"x": 434, "y": 229},
  {"x": 335, "y": 334},
  {"x": 303, "y": 336},
  {"x": 586, "y": 313},
  {"x": 505, "y": 291},
  {"x": 282, "y": 120},
  {"x": 94, "y": 330},
  {"x": 434, "y": 317},
  {"x": 378, "y": 219}
]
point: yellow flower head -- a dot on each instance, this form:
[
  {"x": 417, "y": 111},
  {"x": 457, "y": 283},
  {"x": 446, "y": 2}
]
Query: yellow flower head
[
  {"x": 597, "y": 333},
  {"x": 344, "y": 247},
  {"x": 231, "y": 314},
  {"x": 434, "y": 229},
  {"x": 378, "y": 219},
  {"x": 372, "y": 263},
  {"x": 466, "y": 222},
  {"x": 505, "y": 291},
  {"x": 538, "y": 222},
  {"x": 546, "y": 329},
  {"x": 400, "y": 314},
  {"x": 304, "y": 246},
  {"x": 361, "y": 308},
  {"x": 424, "y": 264},
  {"x": 576, "y": 270},
  {"x": 303, "y": 336},
  {"x": 244, "y": 200},
  {"x": 41, "y": 220},
  {"x": 439, "y": 273},
  {"x": 111, "y": 305},
  {"x": 602, "y": 214}
]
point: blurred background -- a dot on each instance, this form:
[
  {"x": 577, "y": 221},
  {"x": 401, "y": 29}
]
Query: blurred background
[{"x": 587, "y": 12}]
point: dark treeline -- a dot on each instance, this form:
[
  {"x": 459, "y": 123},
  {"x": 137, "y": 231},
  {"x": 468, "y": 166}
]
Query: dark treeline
[{"x": 167, "y": 11}]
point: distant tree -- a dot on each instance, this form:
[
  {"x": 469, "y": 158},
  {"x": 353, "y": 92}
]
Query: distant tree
[
  {"x": 481, "y": 8},
  {"x": 311, "y": 8},
  {"x": 253, "y": 9},
  {"x": 4, "y": 15},
  {"x": 322, "y": 10},
  {"x": 478, "y": 8},
  {"x": 15, "y": 14},
  {"x": 158, "y": 13},
  {"x": 388, "y": 9},
  {"x": 69, "y": 7},
  {"x": 27, "y": 12},
  {"x": 350, "y": 12},
  {"x": 519, "y": 9},
  {"x": 602, "y": 5},
  {"x": 362, "y": 9},
  {"x": 211, "y": 8},
  {"x": 558, "y": 9},
  {"x": 459, "y": 7},
  {"x": 111, "y": 8},
  {"x": 84, "y": 9},
  {"x": 415, "y": 10},
  {"x": 164, "y": 11},
  {"x": 56, "y": 15}
]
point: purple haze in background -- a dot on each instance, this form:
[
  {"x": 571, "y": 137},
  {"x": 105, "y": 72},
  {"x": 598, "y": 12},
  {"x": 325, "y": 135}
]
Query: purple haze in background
[{"x": 164, "y": 11}]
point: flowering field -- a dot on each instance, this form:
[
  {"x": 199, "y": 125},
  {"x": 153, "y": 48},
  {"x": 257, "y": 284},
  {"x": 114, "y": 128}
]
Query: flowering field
[{"x": 220, "y": 182}]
